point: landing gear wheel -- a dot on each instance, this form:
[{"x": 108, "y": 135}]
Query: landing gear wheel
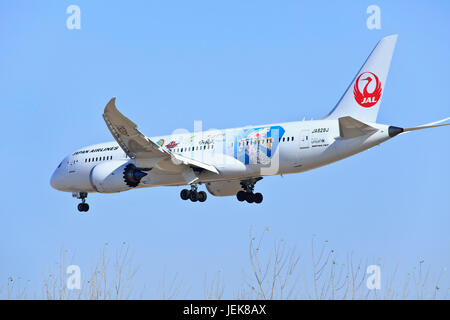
[
  {"x": 250, "y": 197},
  {"x": 83, "y": 207},
  {"x": 258, "y": 197},
  {"x": 193, "y": 196},
  {"x": 241, "y": 196},
  {"x": 184, "y": 194},
  {"x": 246, "y": 194},
  {"x": 202, "y": 196}
]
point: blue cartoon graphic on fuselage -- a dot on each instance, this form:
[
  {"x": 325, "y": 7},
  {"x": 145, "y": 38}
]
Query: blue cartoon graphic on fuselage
[{"x": 257, "y": 145}]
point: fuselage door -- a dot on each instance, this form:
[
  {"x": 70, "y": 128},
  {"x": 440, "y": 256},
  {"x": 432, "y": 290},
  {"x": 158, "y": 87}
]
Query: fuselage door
[
  {"x": 71, "y": 165},
  {"x": 305, "y": 139}
]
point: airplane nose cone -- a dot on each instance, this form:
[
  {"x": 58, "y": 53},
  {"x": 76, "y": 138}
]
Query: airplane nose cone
[{"x": 55, "y": 180}]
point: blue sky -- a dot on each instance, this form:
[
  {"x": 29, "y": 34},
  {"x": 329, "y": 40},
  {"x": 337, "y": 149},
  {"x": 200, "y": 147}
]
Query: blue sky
[{"x": 229, "y": 64}]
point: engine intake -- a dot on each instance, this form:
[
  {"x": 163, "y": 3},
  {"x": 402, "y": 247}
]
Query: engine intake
[
  {"x": 133, "y": 175},
  {"x": 116, "y": 176}
]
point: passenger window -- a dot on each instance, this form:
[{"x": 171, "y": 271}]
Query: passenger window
[
  {"x": 292, "y": 138},
  {"x": 287, "y": 139}
]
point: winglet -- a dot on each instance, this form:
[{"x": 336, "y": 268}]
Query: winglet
[
  {"x": 112, "y": 113},
  {"x": 110, "y": 104}
]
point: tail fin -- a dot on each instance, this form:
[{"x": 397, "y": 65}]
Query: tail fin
[{"x": 363, "y": 97}]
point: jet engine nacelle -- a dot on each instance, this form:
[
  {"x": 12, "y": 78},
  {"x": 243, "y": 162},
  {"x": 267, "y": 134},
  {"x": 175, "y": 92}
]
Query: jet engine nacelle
[
  {"x": 224, "y": 188},
  {"x": 115, "y": 176}
]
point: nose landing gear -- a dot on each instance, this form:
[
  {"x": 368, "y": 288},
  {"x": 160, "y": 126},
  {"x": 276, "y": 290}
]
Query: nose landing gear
[
  {"x": 247, "y": 194},
  {"x": 83, "y": 206},
  {"x": 193, "y": 194}
]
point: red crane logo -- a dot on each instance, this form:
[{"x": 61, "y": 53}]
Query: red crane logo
[{"x": 365, "y": 98}]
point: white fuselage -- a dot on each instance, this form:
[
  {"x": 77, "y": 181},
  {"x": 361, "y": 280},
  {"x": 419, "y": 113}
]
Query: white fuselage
[{"x": 237, "y": 154}]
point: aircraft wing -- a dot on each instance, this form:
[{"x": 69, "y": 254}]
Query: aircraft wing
[
  {"x": 138, "y": 146},
  {"x": 130, "y": 139}
]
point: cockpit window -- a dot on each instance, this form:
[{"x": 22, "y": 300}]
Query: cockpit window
[{"x": 60, "y": 164}]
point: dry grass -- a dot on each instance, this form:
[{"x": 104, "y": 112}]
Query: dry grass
[{"x": 274, "y": 273}]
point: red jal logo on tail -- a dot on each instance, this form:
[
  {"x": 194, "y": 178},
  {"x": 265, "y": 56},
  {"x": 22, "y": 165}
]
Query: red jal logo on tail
[{"x": 364, "y": 98}]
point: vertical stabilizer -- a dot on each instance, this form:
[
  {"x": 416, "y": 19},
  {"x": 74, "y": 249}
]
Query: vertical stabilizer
[{"x": 363, "y": 97}]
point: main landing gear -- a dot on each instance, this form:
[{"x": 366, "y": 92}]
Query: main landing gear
[
  {"x": 83, "y": 206},
  {"x": 247, "y": 194},
  {"x": 193, "y": 194}
]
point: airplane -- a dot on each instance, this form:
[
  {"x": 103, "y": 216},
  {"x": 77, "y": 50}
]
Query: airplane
[{"x": 230, "y": 162}]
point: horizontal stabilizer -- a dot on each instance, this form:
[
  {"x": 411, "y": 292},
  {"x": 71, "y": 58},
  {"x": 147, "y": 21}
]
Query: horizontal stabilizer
[{"x": 352, "y": 128}]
